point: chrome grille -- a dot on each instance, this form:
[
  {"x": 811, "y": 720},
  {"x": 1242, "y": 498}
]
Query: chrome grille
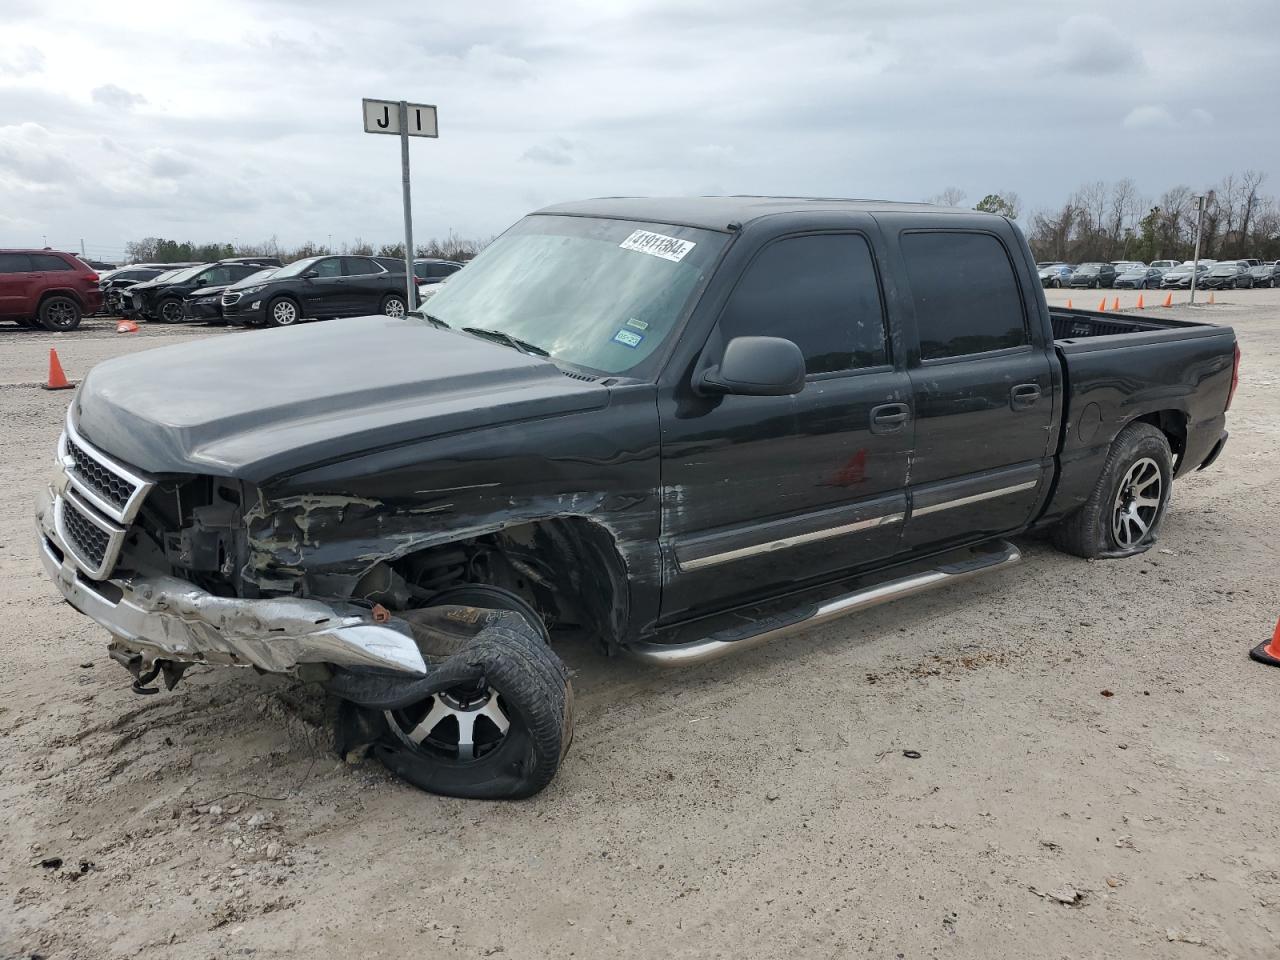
[
  {"x": 113, "y": 487},
  {"x": 229, "y": 298},
  {"x": 90, "y": 539},
  {"x": 84, "y": 539}
]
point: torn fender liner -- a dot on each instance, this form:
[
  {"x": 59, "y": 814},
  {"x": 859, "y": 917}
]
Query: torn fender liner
[{"x": 443, "y": 635}]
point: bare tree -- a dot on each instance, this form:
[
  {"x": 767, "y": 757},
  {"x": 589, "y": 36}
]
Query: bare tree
[
  {"x": 950, "y": 197},
  {"x": 1250, "y": 182}
]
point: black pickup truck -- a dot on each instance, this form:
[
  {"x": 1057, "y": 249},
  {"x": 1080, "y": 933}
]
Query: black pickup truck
[{"x": 675, "y": 427}]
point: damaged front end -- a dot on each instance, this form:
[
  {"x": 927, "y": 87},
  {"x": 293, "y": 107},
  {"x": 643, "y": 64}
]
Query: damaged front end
[{"x": 163, "y": 564}]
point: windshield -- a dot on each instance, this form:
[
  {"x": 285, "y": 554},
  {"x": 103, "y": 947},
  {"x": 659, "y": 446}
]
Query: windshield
[
  {"x": 186, "y": 274},
  {"x": 297, "y": 268},
  {"x": 170, "y": 275},
  {"x": 255, "y": 277},
  {"x": 1087, "y": 268},
  {"x": 600, "y": 294},
  {"x": 1225, "y": 270}
]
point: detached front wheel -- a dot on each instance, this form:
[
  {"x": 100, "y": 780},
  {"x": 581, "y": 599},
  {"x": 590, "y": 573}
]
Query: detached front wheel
[
  {"x": 493, "y": 718},
  {"x": 1128, "y": 502}
]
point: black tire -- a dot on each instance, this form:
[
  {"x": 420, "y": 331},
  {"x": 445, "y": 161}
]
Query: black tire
[
  {"x": 1098, "y": 529},
  {"x": 283, "y": 312},
  {"x": 169, "y": 310},
  {"x": 480, "y": 660},
  {"x": 60, "y": 314},
  {"x": 1055, "y": 283},
  {"x": 392, "y": 305}
]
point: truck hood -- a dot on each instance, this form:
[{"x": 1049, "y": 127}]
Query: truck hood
[{"x": 264, "y": 404}]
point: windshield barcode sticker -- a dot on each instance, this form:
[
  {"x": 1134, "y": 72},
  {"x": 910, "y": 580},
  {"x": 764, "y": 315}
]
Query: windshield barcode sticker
[
  {"x": 628, "y": 339},
  {"x": 657, "y": 245}
]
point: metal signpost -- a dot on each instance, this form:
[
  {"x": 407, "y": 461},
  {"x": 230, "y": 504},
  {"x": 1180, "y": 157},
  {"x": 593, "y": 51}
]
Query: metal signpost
[
  {"x": 1195, "y": 262},
  {"x": 405, "y": 120}
]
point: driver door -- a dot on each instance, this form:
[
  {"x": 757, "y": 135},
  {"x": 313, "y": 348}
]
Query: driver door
[
  {"x": 764, "y": 493},
  {"x": 327, "y": 294}
]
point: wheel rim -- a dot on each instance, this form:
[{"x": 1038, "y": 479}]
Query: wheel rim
[
  {"x": 171, "y": 312},
  {"x": 462, "y": 724},
  {"x": 394, "y": 307},
  {"x": 1137, "y": 503},
  {"x": 284, "y": 313},
  {"x": 61, "y": 313}
]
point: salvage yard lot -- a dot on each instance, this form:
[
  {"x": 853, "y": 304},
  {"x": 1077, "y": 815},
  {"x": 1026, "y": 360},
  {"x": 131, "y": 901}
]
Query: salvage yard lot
[{"x": 1092, "y": 733}]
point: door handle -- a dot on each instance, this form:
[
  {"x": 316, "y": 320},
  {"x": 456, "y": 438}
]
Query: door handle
[
  {"x": 889, "y": 417},
  {"x": 1024, "y": 395}
]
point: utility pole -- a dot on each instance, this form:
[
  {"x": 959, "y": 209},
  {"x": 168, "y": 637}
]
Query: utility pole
[{"x": 1195, "y": 262}]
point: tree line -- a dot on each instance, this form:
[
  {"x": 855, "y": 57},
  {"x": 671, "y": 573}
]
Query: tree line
[
  {"x": 1113, "y": 221},
  {"x": 159, "y": 250}
]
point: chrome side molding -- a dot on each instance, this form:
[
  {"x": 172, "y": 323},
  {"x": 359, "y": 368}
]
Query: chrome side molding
[{"x": 951, "y": 568}]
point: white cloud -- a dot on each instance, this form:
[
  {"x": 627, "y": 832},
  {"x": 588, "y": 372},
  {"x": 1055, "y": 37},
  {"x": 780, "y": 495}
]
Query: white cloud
[
  {"x": 20, "y": 61},
  {"x": 1149, "y": 115},
  {"x": 111, "y": 95}
]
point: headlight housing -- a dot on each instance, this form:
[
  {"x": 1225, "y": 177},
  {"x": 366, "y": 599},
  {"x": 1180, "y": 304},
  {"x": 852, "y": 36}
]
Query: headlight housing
[{"x": 258, "y": 288}]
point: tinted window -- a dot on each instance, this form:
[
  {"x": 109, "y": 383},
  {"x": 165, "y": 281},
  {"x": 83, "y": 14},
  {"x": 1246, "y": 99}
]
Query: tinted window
[
  {"x": 965, "y": 293},
  {"x": 47, "y": 261},
  {"x": 819, "y": 292},
  {"x": 358, "y": 267},
  {"x": 329, "y": 267},
  {"x": 216, "y": 276},
  {"x": 14, "y": 263}
]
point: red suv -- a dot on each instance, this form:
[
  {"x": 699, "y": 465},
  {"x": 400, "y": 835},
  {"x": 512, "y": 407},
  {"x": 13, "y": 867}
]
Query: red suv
[{"x": 46, "y": 287}]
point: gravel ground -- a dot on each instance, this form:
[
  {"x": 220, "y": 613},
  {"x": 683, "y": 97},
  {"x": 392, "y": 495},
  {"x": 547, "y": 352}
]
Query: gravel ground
[{"x": 1098, "y": 763}]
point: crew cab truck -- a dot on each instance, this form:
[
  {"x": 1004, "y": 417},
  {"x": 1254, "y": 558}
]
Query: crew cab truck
[{"x": 678, "y": 427}]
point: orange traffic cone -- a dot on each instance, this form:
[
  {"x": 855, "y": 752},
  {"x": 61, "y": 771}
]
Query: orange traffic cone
[
  {"x": 1268, "y": 653},
  {"x": 1139, "y": 306},
  {"x": 1168, "y": 300},
  {"x": 1116, "y": 307},
  {"x": 1102, "y": 307},
  {"x": 126, "y": 326},
  {"x": 1210, "y": 296},
  {"x": 1068, "y": 303},
  {"x": 57, "y": 379}
]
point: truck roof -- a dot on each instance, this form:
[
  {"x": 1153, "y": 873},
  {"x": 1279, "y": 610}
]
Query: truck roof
[{"x": 716, "y": 213}]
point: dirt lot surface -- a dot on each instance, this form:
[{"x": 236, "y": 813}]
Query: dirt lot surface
[{"x": 1099, "y": 770}]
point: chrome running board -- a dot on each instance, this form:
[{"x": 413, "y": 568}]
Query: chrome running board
[{"x": 952, "y": 568}]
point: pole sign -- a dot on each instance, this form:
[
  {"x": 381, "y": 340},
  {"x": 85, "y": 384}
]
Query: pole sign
[
  {"x": 405, "y": 120},
  {"x": 383, "y": 116}
]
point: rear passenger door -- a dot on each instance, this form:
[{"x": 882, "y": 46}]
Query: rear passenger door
[
  {"x": 368, "y": 285},
  {"x": 982, "y": 386}
]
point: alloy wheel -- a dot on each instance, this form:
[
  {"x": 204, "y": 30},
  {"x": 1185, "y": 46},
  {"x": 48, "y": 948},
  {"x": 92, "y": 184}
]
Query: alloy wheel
[
  {"x": 284, "y": 313},
  {"x": 1137, "y": 503},
  {"x": 394, "y": 307},
  {"x": 171, "y": 312},
  {"x": 61, "y": 314},
  {"x": 461, "y": 724}
]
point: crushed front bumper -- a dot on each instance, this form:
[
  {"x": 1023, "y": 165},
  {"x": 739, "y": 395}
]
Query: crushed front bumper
[{"x": 162, "y": 618}]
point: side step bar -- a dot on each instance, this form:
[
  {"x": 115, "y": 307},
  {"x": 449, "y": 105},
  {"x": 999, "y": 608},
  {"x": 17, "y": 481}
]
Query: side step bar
[{"x": 952, "y": 568}]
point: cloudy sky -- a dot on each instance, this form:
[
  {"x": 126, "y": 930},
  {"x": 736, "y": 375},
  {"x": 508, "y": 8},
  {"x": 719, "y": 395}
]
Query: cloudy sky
[{"x": 237, "y": 121}]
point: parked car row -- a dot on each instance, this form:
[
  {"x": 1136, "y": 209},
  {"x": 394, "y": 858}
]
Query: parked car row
[
  {"x": 1162, "y": 274},
  {"x": 259, "y": 291}
]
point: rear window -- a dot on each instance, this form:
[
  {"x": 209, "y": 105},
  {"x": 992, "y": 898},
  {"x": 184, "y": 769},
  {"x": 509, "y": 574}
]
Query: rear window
[
  {"x": 49, "y": 261},
  {"x": 965, "y": 292}
]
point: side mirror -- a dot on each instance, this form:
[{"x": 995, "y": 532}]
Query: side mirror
[
  {"x": 755, "y": 367},
  {"x": 201, "y": 281},
  {"x": 310, "y": 274}
]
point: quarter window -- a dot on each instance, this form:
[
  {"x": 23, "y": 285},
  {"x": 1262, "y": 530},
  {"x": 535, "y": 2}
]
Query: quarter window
[
  {"x": 818, "y": 291},
  {"x": 965, "y": 293}
]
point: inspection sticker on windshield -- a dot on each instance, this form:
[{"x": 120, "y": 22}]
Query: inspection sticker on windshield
[
  {"x": 628, "y": 339},
  {"x": 657, "y": 245}
]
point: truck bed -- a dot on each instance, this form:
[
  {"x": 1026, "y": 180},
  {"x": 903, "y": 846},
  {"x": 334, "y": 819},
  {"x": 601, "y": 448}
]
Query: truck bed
[{"x": 1072, "y": 325}]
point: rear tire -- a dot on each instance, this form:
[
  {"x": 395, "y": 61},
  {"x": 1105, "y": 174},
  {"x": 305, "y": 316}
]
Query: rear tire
[
  {"x": 60, "y": 314},
  {"x": 1128, "y": 503},
  {"x": 392, "y": 305}
]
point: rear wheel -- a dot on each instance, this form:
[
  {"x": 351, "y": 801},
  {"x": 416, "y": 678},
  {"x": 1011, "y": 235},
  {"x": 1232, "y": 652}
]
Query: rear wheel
[
  {"x": 393, "y": 305},
  {"x": 1124, "y": 511},
  {"x": 282, "y": 312},
  {"x": 60, "y": 314}
]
